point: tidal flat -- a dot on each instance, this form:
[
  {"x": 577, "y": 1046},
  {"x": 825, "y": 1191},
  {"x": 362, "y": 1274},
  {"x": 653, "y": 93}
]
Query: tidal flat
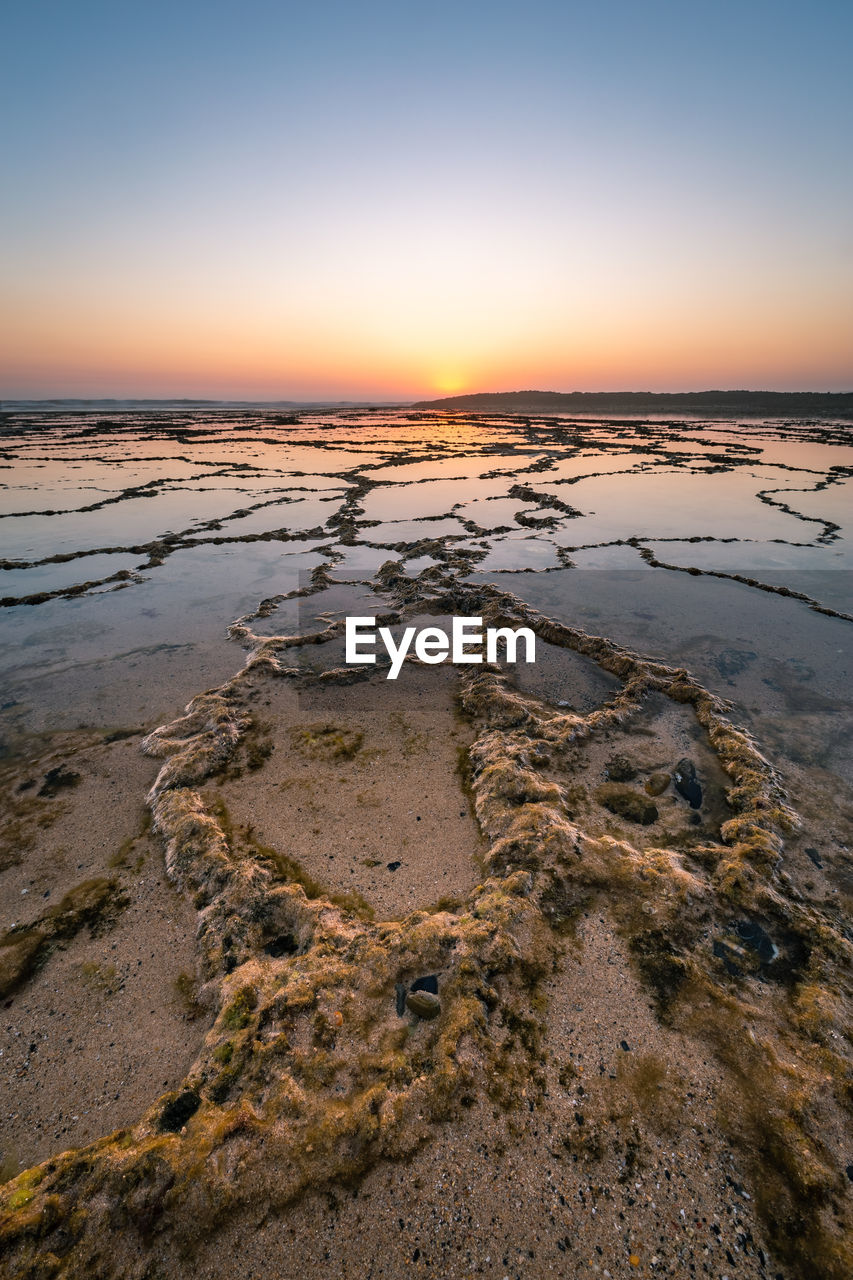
[{"x": 492, "y": 970}]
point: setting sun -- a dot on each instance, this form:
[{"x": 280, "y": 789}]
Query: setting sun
[
  {"x": 474, "y": 209},
  {"x": 449, "y": 383}
]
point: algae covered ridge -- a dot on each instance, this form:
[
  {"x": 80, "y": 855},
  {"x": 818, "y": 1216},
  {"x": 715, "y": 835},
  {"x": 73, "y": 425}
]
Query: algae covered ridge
[{"x": 338, "y": 1039}]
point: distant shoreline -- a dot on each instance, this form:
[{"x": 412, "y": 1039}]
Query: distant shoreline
[
  {"x": 830, "y": 404},
  {"x": 714, "y": 404}
]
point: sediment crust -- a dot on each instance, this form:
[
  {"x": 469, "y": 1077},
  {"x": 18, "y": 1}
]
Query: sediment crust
[{"x": 309, "y": 1074}]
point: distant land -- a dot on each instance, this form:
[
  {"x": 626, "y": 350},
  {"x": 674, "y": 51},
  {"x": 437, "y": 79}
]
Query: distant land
[
  {"x": 712, "y": 404},
  {"x": 785, "y": 404}
]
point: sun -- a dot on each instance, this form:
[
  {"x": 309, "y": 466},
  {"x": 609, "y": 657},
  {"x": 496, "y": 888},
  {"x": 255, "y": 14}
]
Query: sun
[{"x": 448, "y": 382}]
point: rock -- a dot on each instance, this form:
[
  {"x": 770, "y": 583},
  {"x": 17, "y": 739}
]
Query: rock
[
  {"x": 393, "y": 866},
  {"x": 624, "y": 1046},
  {"x": 751, "y": 937},
  {"x": 620, "y": 769},
  {"x": 423, "y": 1004},
  {"x": 627, "y": 803},
  {"x": 657, "y": 783},
  {"x": 687, "y": 784},
  {"x": 757, "y": 939},
  {"x": 815, "y": 857},
  {"x": 400, "y": 996}
]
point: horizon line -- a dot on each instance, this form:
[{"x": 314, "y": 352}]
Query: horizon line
[{"x": 319, "y": 401}]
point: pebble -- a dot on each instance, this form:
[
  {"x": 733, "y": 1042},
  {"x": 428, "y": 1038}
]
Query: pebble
[{"x": 424, "y": 1004}]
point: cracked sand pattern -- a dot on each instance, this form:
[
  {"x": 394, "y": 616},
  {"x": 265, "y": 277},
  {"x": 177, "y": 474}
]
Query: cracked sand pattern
[{"x": 317, "y": 1065}]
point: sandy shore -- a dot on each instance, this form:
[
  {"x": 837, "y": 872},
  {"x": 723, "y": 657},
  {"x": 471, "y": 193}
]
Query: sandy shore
[
  {"x": 592, "y": 1123},
  {"x": 102, "y": 1026},
  {"x": 609, "y": 1160},
  {"x": 527, "y": 1193},
  {"x": 477, "y": 972}
]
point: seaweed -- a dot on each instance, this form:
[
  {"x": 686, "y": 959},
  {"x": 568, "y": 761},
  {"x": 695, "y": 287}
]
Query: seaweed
[{"x": 306, "y": 1075}]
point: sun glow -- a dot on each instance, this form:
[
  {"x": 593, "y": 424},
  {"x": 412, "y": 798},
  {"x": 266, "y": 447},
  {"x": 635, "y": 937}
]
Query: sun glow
[
  {"x": 442, "y": 222},
  {"x": 449, "y": 383}
]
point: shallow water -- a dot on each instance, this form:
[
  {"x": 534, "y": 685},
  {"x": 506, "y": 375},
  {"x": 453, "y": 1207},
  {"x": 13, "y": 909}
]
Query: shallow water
[{"x": 204, "y": 514}]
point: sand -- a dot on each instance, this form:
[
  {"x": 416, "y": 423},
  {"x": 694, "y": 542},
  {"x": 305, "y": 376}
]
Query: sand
[
  {"x": 213, "y": 1062},
  {"x": 521, "y": 1195},
  {"x": 101, "y": 1028}
]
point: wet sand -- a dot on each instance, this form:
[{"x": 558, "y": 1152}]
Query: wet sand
[
  {"x": 453, "y": 974},
  {"x": 512, "y": 1194},
  {"x": 103, "y": 1024}
]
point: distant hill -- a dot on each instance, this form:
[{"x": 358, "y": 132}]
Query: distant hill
[{"x": 784, "y": 404}]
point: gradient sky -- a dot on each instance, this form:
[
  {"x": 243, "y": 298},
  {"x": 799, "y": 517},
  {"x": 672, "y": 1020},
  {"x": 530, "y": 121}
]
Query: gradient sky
[{"x": 377, "y": 200}]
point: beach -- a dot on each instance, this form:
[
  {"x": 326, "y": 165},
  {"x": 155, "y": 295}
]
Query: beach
[{"x": 503, "y": 969}]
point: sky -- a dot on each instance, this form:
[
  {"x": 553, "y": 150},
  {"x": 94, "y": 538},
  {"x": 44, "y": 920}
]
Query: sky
[{"x": 390, "y": 201}]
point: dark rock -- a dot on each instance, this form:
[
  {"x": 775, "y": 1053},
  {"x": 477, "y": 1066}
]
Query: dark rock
[
  {"x": 430, "y": 983},
  {"x": 392, "y": 866},
  {"x": 620, "y": 769},
  {"x": 400, "y": 997},
  {"x": 757, "y": 939},
  {"x": 627, "y": 803},
  {"x": 751, "y": 950},
  {"x": 815, "y": 857},
  {"x": 624, "y": 1045},
  {"x": 687, "y": 784},
  {"x": 424, "y": 1004},
  {"x": 176, "y": 1113}
]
